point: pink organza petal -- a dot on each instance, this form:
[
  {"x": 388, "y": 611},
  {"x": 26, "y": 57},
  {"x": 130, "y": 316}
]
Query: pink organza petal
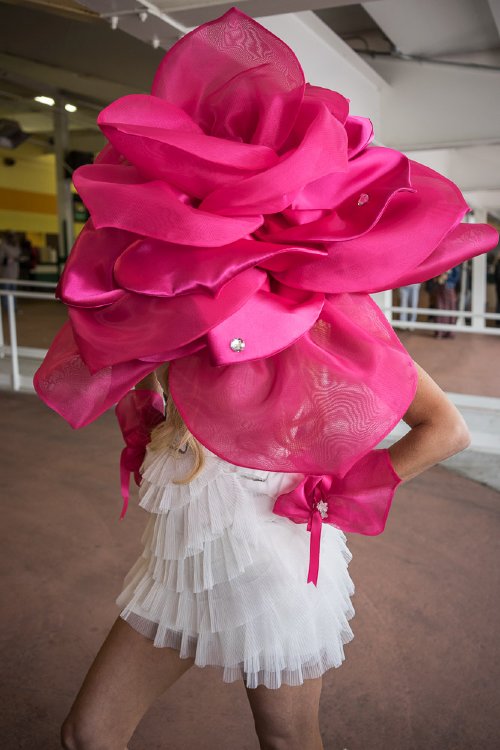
[
  {"x": 337, "y": 104},
  {"x": 164, "y": 143},
  {"x": 149, "y": 113},
  {"x": 357, "y": 199},
  {"x": 64, "y": 382},
  {"x": 411, "y": 228},
  {"x": 321, "y": 151},
  {"x": 117, "y": 196},
  {"x": 164, "y": 270},
  {"x": 359, "y": 134},
  {"x": 139, "y": 326},
  {"x": 168, "y": 355},
  {"x": 266, "y": 324},
  {"x": 463, "y": 242},
  {"x": 87, "y": 279},
  {"x": 109, "y": 155},
  {"x": 316, "y": 407},
  {"x": 235, "y": 79}
]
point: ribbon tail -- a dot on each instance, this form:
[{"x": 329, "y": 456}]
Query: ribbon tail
[
  {"x": 125, "y": 484},
  {"x": 316, "y": 526}
]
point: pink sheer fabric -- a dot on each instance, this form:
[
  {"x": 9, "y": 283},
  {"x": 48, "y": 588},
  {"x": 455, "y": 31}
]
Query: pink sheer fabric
[
  {"x": 238, "y": 202},
  {"x": 316, "y": 407},
  {"x": 137, "y": 413},
  {"x": 359, "y": 502}
]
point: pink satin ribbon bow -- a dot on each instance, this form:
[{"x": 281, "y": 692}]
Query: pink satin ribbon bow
[
  {"x": 137, "y": 413},
  {"x": 358, "y": 502}
]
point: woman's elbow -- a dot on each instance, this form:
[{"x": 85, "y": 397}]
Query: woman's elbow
[{"x": 458, "y": 436}]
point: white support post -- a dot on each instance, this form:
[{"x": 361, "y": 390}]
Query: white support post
[
  {"x": 384, "y": 301},
  {"x": 64, "y": 196},
  {"x": 479, "y": 282},
  {"x": 16, "y": 380},
  {"x": 2, "y": 340},
  {"x": 462, "y": 297},
  {"x": 479, "y": 292}
]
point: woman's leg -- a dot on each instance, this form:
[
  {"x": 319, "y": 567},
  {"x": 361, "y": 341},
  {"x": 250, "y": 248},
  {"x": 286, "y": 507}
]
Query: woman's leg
[
  {"x": 287, "y": 718},
  {"x": 126, "y": 677}
]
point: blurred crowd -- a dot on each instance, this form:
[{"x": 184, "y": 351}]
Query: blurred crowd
[
  {"x": 18, "y": 257},
  {"x": 451, "y": 290}
]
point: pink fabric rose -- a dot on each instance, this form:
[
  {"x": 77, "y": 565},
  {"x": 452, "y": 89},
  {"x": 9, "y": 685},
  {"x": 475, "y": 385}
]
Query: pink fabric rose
[{"x": 240, "y": 217}]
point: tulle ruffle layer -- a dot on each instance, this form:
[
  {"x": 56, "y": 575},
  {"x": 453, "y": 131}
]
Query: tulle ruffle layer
[{"x": 222, "y": 580}]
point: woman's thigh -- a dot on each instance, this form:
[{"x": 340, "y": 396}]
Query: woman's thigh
[
  {"x": 287, "y": 717},
  {"x": 125, "y": 678}
]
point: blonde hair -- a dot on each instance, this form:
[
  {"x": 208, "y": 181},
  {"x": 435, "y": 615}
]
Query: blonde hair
[{"x": 173, "y": 436}]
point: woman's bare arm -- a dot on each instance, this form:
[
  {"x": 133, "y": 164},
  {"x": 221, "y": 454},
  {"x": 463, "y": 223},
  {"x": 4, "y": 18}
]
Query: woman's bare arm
[{"x": 438, "y": 430}]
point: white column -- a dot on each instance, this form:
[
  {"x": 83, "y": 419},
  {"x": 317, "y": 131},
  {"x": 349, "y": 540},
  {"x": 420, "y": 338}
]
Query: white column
[
  {"x": 384, "y": 301},
  {"x": 16, "y": 379},
  {"x": 64, "y": 197},
  {"x": 479, "y": 280},
  {"x": 2, "y": 341}
]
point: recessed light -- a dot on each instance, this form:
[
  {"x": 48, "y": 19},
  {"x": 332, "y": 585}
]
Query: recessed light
[
  {"x": 70, "y": 108},
  {"x": 45, "y": 100}
]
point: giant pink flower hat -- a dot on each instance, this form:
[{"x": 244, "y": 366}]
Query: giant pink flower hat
[{"x": 240, "y": 219}]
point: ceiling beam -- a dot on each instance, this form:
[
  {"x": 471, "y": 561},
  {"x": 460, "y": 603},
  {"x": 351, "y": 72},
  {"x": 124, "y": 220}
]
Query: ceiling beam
[
  {"x": 48, "y": 79},
  {"x": 435, "y": 28},
  {"x": 178, "y": 16},
  {"x": 193, "y": 16},
  {"x": 495, "y": 12}
]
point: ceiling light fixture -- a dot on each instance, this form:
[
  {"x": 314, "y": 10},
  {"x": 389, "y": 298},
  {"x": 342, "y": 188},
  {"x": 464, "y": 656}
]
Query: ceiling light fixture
[
  {"x": 70, "y": 108},
  {"x": 45, "y": 100}
]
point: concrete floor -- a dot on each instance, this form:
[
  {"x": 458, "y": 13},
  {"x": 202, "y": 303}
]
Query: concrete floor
[
  {"x": 421, "y": 674},
  {"x": 423, "y": 669}
]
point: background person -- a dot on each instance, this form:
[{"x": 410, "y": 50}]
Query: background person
[
  {"x": 447, "y": 299},
  {"x": 496, "y": 276},
  {"x": 409, "y": 296},
  {"x": 10, "y": 254}
]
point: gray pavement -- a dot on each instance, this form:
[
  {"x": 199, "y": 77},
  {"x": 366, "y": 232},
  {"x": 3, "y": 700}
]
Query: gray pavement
[{"x": 421, "y": 674}]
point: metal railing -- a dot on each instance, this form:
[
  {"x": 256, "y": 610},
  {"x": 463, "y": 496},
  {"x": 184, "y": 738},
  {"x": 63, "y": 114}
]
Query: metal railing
[
  {"x": 481, "y": 413},
  {"x": 13, "y": 350},
  {"x": 472, "y": 289},
  {"x": 478, "y": 317}
]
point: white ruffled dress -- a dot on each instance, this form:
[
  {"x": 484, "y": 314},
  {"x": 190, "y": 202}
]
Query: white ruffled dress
[{"x": 223, "y": 579}]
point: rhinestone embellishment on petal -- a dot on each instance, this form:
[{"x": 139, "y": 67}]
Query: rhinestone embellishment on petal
[
  {"x": 237, "y": 345},
  {"x": 363, "y": 198},
  {"x": 322, "y": 507}
]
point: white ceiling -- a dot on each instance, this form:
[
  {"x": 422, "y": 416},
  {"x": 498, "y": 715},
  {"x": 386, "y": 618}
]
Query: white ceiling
[
  {"x": 50, "y": 45},
  {"x": 438, "y": 27}
]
